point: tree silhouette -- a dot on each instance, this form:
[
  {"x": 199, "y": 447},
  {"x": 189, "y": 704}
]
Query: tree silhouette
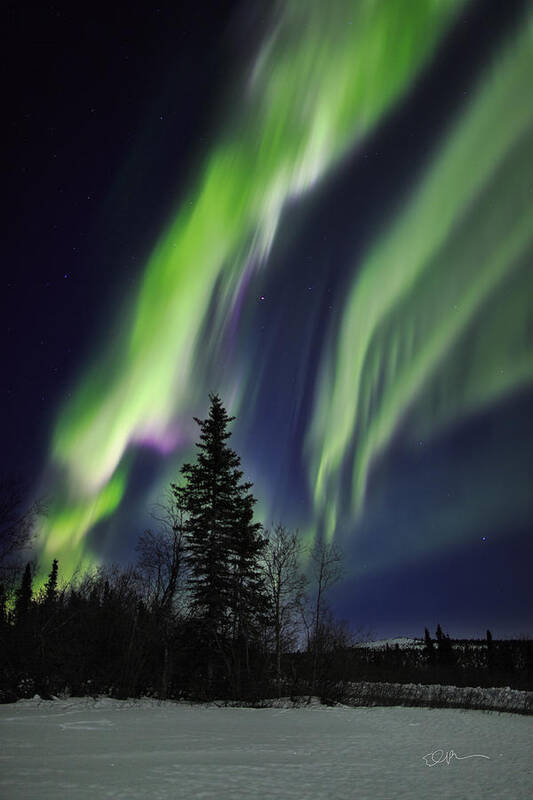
[
  {"x": 23, "y": 595},
  {"x": 429, "y": 647},
  {"x": 50, "y": 587},
  {"x": 223, "y": 544},
  {"x": 326, "y": 571},
  {"x": 17, "y": 520},
  {"x": 444, "y": 648},
  {"x": 285, "y": 585}
]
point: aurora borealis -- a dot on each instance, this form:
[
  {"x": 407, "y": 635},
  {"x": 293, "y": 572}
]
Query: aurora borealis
[
  {"x": 421, "y": 289},
  {"x": 379, "y": 360},
  {"x": 288, "y": 138}
]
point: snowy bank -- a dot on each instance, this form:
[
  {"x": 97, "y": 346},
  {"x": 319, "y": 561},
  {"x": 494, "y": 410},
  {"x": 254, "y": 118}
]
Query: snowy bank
[{"x": 367, "y": 693}]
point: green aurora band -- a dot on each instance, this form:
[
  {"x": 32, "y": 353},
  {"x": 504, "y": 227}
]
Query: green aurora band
[
  {"x": 426, "y": 336},
  {"x": 322, "y": 81}
]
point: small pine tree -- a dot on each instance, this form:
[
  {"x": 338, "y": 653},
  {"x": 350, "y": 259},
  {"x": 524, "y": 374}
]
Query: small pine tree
[
  {"x": 50, "y": 587},
  {"x": 429, "y": 647},
  {"x": 444, "y": 647},
  {"x": 490, "y": 651},
  {"x": 24, "y": 595}
]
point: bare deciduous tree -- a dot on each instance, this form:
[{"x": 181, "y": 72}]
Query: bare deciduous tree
[
  {"x": 162, "y": 565},
  {"x": 325, "y": 571},
  {"x": 285, "y": 585},
  {"x": 17, "y": 526},
  {"x": 160, "y": 558}
]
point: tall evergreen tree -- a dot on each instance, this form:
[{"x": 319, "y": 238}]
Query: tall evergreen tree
[{"x": 223, "y": 541}]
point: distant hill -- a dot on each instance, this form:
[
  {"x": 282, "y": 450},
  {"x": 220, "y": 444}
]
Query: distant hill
[{"x": 404, "y": 642}]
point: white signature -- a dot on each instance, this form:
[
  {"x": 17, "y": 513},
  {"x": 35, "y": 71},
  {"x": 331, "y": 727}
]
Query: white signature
[{"x": 446, "y": 757}]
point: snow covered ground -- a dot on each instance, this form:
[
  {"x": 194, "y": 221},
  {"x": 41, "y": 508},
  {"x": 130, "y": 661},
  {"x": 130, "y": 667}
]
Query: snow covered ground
[{"x": 85, "y": 748}]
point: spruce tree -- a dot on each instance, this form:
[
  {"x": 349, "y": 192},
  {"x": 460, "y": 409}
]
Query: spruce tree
[
  {"x": 490, "y": 651},
  {"x": 444, "y": 647},
  {"x": 50, "y": 587},
  {"x": 223, "y": 543},
  {"x": 429, "y": 647},
  {"x": 24, "y": 595}
]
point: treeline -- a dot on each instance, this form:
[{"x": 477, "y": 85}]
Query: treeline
[
  {"x": 214, "y": 606},
  {"x": 108, "y": 634},
  {"x": 453, "y": 662}
]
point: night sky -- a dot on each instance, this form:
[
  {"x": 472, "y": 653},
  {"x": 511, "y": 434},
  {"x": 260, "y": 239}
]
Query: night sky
[{"x": 321, "y": 211}]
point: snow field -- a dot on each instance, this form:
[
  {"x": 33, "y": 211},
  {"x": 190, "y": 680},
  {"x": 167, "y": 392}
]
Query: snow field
[{"x": 84, "y": 748}]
